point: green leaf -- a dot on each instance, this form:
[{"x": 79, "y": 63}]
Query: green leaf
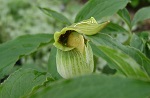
[
  {"x": 137, "y": 42},
  {"x": 140, "y": 15},
  {"x": 140, "y": 58},
  {"x": 21, "y": 83},
  {"x": 147, "y": 49},
  {"x": 117, "y": 32},
  {"x": 96, "y": 86},
  {"x": 33, "y": 66},
  {"x": 124, "y": 14},
  {"x": 144, "y": 35},
  {"x": 120, "y": 61},
  {"x": 113, "y": 28},
  {"x": 134, "y": 3},
  {"x": 24, "y": 45},
  {"x": 148, "y": 45},
  {"x": 52, "y": 69},
  {"x": 56, "y": 15},
  {"x": 100, "y": 8}
]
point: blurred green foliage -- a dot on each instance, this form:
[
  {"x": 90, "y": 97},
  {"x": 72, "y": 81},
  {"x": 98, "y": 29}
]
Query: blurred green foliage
[
  {"x": 19, "y": 17},
  {"x": 136, "y": 3}
]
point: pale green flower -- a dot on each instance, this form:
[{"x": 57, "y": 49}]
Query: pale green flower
[{"x": 74, "y": 55}]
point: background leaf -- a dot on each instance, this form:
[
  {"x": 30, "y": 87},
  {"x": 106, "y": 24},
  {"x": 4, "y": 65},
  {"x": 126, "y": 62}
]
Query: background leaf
[
  {"x": 141, "y": 15},
  {"x": 140, "y": 58},
  {"x": 121, "y": 62},
  {"x": 145, "y": 35},
  {"x": 124, "y": 14},
  {"x": 113, "y": 28},
  {"x": 24, "y": 45},
  {"x": 100, "y": 8},
  {"x": 96, "y": 86},
  {"x": 116, "y": 31},
  {"x": 58, "y": 16},
  {"x": 52, "y": 64},
  {"x": 137, "y": 42},
  {"x": 21, "y": 83},
  {"x": 147, "y": 49}
]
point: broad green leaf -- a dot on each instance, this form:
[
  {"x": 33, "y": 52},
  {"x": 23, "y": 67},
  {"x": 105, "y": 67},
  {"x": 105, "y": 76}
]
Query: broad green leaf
[
  {"x": 116, "y": 31},
  {"x": 96, "y": 86},
  {"x": 52, "y": 64},
  {"x": 21, "y": 83},
  {"x": 33, "y": 66},
  {"x": 121, "y": 62},
  {"x": 124, "y": 14},
  {"x": 24, "y": 45},
  {"x": 140, "y": 58},
  {"x": 113, "y": 28},
  {"x": 56, "y": 15},
  {"x": 140, "y": 15},
  {"x": 137, "y": 42},
  {"x": 100, "y": 8}
]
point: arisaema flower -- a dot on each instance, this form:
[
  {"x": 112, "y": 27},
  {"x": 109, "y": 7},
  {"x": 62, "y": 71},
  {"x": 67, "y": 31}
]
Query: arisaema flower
[{"x": 74, "y": 55}]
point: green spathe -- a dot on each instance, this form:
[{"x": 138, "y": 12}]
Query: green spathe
[
  {"x": 74, "y": 55},
  {"x": 87, "y": 27},
  {"x": 73, "y": 63}
]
